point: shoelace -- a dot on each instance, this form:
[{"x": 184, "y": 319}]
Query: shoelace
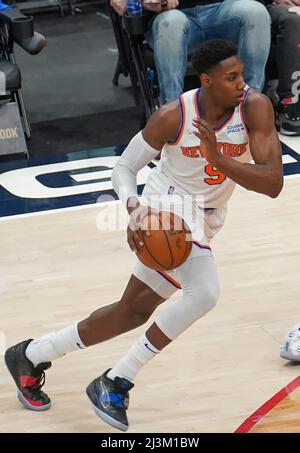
[
  {"x": 37, "y": 382},
  {"x": 40, "y": 381}
]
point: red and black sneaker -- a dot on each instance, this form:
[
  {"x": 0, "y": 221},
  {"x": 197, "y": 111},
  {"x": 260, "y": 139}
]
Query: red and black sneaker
[{"x": 29, "y": 379}]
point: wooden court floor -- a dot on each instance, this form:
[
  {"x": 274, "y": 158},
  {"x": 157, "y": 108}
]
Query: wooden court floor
[{"x": 57, "y": 268}]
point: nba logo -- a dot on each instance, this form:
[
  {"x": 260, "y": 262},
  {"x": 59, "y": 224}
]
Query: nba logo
[{"x": 171, "y": 190}]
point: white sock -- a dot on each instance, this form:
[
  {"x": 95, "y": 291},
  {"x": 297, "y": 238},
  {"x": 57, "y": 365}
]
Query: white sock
[
  {"x": 137, "y": 356},
  {"x": 54, "y": 345}
]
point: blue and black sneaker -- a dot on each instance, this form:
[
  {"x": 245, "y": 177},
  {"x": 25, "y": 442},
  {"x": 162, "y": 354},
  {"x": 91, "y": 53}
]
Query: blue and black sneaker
[
  {"x": 28, "y": 378},
  {"x": 110, "y": 399}
]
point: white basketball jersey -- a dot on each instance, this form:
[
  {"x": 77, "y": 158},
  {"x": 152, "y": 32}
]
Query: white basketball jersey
[{"x": 183, "y": 161}]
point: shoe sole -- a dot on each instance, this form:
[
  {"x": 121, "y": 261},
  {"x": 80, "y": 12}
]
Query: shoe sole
[
  {"x": 289, "y": 356},
  {"x": 105, "y": 417},
  {"x": 31, "y": 407},
  {"x": 10, "y": 357},
  {"x": 289, "y": 133},
  {"x": 283, "y": 353}
]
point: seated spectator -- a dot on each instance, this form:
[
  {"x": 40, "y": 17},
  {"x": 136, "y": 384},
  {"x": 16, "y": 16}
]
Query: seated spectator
[
  {"x": 285, "y": 16},
  {"x": 176, "y": 33},
  {"x": 290, "y": 346}
]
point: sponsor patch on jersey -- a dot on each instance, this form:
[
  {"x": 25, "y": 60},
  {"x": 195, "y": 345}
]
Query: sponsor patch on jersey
[{"x": 235, "y": 128}]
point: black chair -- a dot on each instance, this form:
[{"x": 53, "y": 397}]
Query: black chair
[
  {"x": 125, "y": 63},
  {"x": 136, "y": 59},
  {"x": 271, "y": 77},
  {"x": 15, "y": 28}
]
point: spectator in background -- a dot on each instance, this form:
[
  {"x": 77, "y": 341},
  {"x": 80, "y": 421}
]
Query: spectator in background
[
  {"x": 176, "y": 33},
  {"x": 285, "y": 16}
]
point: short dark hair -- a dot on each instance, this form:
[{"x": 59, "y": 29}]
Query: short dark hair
[{"x": 211, "y": 52}]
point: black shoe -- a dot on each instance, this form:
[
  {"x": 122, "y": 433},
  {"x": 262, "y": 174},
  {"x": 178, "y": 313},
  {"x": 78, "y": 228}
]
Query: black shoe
[
  {"x": 288, "y": 119},
  {"x": 110, "y": 399},
  {"x": 29, "y": 379}
]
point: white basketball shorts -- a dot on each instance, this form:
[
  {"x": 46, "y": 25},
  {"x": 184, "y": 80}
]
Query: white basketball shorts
[{"x": 160, "y": 193}]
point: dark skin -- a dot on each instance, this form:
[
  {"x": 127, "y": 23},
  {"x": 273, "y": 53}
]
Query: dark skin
[{"x": 222, "y": 89}]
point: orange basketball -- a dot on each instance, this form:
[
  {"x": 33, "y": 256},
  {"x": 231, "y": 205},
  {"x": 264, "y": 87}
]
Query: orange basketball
[{"x": 166, "y": 248}]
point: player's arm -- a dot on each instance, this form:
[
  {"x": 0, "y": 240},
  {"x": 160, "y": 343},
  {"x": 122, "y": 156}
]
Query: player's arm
[
  {"x": 266, "y": 175},
  {"x": 142, "y": 149}
]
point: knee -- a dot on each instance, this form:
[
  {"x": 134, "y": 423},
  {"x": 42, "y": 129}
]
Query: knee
[
  {"x": 170, "y": 23},
  {"x": 136, "y": 313},
  {"x": 211, "y": 296},
  {"x": 203, "y": 300},
  {"x": 139, "y": 317},
  {"x": 252, "y": 12},
  {"x": 184, "y": 312}
]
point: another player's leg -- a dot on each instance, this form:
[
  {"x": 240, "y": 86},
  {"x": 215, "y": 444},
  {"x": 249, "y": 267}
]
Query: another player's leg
[
  {"x": 27, "y": 360},
  {"x": 198, "y": 277},
  {"x": 248, "y": 24}
]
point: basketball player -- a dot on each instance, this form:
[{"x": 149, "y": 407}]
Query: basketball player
[{"x": 208, "y": 138}]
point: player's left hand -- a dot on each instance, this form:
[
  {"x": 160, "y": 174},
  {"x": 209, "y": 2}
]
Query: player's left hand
[{"x": 208, "y": 138}]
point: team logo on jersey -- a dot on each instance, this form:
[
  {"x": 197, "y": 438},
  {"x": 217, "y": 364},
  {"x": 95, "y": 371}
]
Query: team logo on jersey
[
  {"x": 231, "y": 149},
  {"x": 235, "y": 128}
]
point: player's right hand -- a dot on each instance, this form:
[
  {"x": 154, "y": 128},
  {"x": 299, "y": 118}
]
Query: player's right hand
[{"x": 134, "y": 232}]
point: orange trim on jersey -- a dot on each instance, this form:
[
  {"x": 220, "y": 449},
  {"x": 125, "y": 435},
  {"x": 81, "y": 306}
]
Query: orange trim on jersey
[
  {"x": 242, "y": 106},
  {"x": 169, "y": 279},
  {"x": 246, "y": 89},
  {"x": 218, "y": 129},
  {"x": 196, "y": 104},
  {"x": 202, "y": 246},
  {"x": 182, "y": 123}
]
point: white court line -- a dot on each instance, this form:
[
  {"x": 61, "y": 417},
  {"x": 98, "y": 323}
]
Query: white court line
[
  {"x": 55, "y": 211},
  {"x": 287, "y": 159},
  {"x": 82, "y": 177},
  {"x": 292, "y": 142},
  {"x": 297, "y": 175},
  {"x": 51, "y": 277},
  {"x": 84, "y": 206}
]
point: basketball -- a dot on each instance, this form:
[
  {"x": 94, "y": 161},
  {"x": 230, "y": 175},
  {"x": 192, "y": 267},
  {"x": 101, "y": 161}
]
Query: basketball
[{"x": 169, "y": 243}]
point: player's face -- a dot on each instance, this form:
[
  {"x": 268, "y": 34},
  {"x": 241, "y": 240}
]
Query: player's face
[{"x": 227, "y": 82}]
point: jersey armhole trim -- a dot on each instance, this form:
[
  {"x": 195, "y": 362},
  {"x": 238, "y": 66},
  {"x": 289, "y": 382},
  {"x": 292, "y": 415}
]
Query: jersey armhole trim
[
  {"x": 196, "y": 102},
  {"x": 182, "y": 123},
  {"x": 242, "y": 110}
]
